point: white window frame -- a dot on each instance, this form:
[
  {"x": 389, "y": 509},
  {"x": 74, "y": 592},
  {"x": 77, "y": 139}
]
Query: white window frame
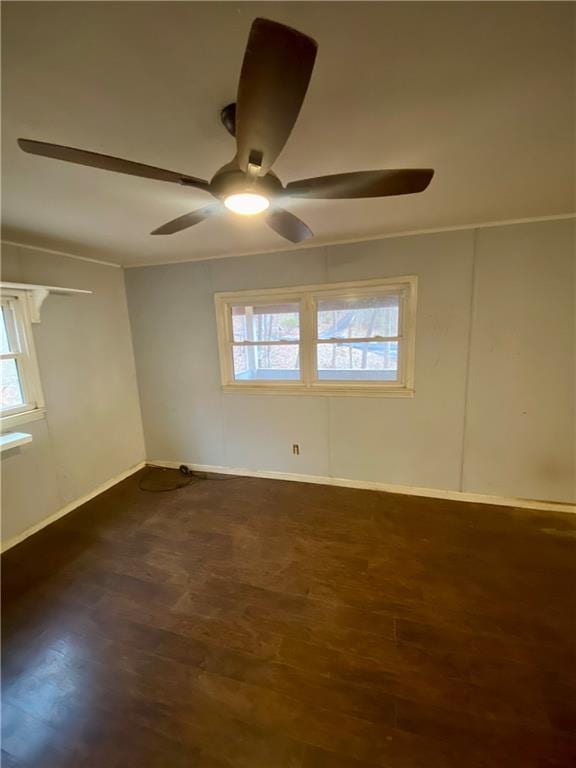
[
  {"x": 21, "y": 339},
  {"x": 307, "y": 296}
]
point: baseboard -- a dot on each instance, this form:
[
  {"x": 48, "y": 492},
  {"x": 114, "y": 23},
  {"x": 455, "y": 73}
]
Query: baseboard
[
  {"x": 71, "y": 506},
  {"x": 434, "y": 493}
]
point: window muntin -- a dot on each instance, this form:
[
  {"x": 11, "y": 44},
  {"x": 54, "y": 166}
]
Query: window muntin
[
  {"x": 347, "y": 337},
  {"x": 20, "y": 390}
]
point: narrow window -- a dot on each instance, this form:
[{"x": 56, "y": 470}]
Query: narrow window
[{"x": 20, "y": 391}]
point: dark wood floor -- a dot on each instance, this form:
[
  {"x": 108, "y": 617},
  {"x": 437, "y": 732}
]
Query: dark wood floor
[{"x": 266, "y": 624}]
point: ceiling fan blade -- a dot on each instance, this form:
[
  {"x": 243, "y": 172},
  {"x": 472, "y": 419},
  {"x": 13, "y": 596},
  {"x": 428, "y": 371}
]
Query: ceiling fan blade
[
  {"x": 108, "y": 163},
  {"x": 188, "y": 220},
  {"x": 276, "y": 70},
  {"x": 343, "y": 186},
  {"x": 288, "y": 226}
]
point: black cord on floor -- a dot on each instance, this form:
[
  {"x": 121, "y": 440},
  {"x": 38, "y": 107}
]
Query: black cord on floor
[
  {"x": 188, "y": 478},
  {"x": 145, "y": 483}
]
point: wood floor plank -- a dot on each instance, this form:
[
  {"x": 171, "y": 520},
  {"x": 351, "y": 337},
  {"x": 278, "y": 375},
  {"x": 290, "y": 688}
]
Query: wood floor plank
[{"x": 245, "y": 623}]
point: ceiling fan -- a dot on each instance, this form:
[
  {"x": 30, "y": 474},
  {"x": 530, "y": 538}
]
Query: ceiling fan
[{"x": 276, "y": 70}]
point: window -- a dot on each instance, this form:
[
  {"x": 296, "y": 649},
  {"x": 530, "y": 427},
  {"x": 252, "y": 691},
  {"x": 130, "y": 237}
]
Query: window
[
  {"x": 20, "y": 391},
  {"x": 344, "y": 338},
  {"x": 266, "y": 341}
]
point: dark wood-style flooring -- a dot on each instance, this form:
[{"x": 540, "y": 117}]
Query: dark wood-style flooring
[{"x": 255, "y": 623}]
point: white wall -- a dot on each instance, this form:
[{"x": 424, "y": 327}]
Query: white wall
[
  {"x": 92, "y": 432},
  {"x": 520, "y": 415},
  {"x": 494, "y": 405}
]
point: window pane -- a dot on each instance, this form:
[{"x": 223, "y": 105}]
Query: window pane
[
  {"x": 360, "y": 317},
  {"x": 266, "y": 322},
  {"x": 10, "y": 389},
  {"x": 358, "y": 361},
  {"x": 273, "y": 362},
  {"x": 4, "y": 343}
]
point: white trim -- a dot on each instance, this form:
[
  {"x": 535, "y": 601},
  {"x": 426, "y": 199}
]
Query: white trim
[
  {"x": 7, "y": 422},
  {"x": 367, "y": 485},
  {"x": 307, "y": 296},
  {"x": 70, "y": 507},
  {"x": 362, "y": 389},
  {"x": 324, "y": 243},
  {"x": 261, "y": 295},
  {"x": 61, "y": 253}
]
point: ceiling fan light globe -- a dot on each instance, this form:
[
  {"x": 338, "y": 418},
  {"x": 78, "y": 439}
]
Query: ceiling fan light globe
[{"x": 246, "y": 203}]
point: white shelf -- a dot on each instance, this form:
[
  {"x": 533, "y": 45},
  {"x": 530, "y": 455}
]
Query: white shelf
[
  {"x": 49, "y": 288},
  {"x": 14, "y": 440},
  {"x": 37, "y": 294}
]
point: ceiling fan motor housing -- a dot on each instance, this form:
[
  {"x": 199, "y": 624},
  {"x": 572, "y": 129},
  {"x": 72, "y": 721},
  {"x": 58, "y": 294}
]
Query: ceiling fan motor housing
[{"x": 231, "y": 181}]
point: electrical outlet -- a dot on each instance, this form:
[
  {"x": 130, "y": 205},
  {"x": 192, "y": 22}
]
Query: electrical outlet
[{"x": 296, "y": 449}]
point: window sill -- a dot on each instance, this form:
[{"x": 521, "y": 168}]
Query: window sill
[
  {"x": 334, "y": 391},
  {"x": 7, "y": 422},
  {"x": 14, "y": 440}
]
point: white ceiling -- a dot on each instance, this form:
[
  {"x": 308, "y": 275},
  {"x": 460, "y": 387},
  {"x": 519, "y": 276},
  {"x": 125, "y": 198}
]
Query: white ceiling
[{"x": 482, "y": 92}]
